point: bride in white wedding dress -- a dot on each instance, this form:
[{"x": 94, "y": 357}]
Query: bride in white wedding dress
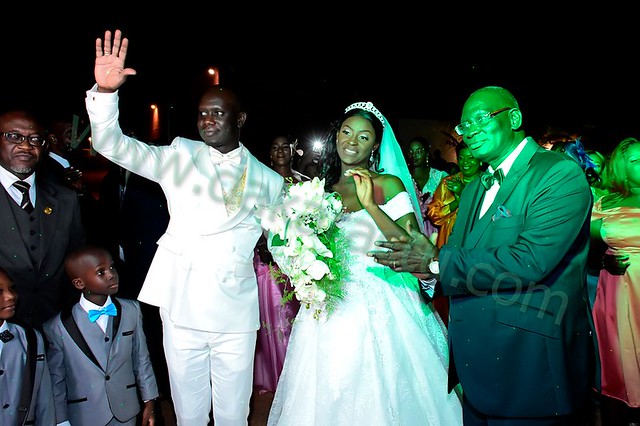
[{"x": 381, "y": 357}]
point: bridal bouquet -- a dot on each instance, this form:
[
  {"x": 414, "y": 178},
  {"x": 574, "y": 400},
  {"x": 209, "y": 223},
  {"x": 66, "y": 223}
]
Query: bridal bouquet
[{"x": 307, "y": 245}]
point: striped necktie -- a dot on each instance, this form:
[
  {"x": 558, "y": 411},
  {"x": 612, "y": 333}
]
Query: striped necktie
[{"x": 25, "y": 204}]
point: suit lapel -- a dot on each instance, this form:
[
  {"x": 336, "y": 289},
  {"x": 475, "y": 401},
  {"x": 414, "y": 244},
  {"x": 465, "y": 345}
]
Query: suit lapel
[
  {"x": 511, "y": 180},
  {"x": 116, "y": 320},
  {"x": 9, "y": 231},
  {"x": 70, "y": 320},
  {"x": 209, "y": 174},
  {"x": 252, "y": 189},
  {"x": 93, "y": 335},
  {"x": 471, "y": 204}
]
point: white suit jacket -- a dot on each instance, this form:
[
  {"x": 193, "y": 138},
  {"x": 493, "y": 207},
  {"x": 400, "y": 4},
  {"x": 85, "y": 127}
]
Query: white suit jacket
[{"x": 202, "y": 272}]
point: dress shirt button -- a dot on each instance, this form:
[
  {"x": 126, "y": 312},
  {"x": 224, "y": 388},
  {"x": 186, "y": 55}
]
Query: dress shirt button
[
  {"x": 33, "y": 248},
  {"x": 106, "y": 339},
  {"x": 32, "y": 232},
  {"x": 107, "y": 377},
  {"x": 32, "y": 218},
  {"x": 1, "y": 372},
  {"x": 5, "y": 406}
]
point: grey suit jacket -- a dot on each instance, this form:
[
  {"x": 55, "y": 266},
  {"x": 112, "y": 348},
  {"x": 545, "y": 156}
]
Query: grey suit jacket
[
  {"x": 93, "y": 389},
  {"x": 12, "y": 368},
  {"x": 42, "y": 286}
]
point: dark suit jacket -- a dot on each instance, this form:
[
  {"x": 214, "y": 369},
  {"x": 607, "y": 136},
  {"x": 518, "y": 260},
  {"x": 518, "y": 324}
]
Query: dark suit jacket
[
  {"x": 12, "y": 366},
  {"x": 89, "y": 206},
  {"x": 88, "y": 393},
  {"x": 42, "y": 286},
  {"x": 518, "y": 328}
]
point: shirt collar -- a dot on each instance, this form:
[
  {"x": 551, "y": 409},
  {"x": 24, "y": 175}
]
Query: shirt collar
[
  {"x": 60, "y": 159},
  {"x": 7, "y": 178},
  {"x": 238, "y": 152},
  {"x": 87, "y": 304},
  {"x": 511, "y": 158}
]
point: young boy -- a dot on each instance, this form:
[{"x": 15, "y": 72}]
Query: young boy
[
  {"x": 98, "y": 354},
  {"x": 15, "y": 373}
]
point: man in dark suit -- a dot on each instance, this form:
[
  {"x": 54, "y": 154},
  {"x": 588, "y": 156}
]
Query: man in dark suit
[
  {"x": 515, "y": 270},
  {"x": 64, "y": 162},
  {"x": 35, "y": 239}
]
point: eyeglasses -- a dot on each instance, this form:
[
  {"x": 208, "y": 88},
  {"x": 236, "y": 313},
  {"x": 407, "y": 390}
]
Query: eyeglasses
[
  {"x": 480, "y": 121},
  {"x": 17, "y": 138}
]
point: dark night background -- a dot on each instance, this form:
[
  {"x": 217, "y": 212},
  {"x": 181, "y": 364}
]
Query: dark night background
[{"x": 298, "y": 73}]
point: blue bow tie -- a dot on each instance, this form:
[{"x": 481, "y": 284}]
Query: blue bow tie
[{"x": 110, "y": 310}]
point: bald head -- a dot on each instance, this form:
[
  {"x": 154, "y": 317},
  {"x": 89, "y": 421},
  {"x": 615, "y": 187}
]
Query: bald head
[
  {"x": 496, "y": 94},
  {"x": 492, "y": 124}
]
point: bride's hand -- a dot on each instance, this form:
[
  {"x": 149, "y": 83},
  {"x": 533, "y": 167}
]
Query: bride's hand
[{"x": 364, "y": 185}]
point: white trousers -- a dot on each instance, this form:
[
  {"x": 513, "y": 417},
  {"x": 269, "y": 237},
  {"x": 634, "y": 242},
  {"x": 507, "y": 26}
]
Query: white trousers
[{"x": 208, "y": 369}]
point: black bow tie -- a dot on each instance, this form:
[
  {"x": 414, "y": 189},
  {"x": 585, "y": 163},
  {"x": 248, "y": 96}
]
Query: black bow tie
[
  {"x": 5, "y": 336},
  {"x": 488, "y": 178}
]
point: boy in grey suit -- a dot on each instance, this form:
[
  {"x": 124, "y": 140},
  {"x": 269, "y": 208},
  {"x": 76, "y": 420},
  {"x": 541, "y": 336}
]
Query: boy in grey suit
[
  {"x": 98, "y": 354},
  {"x": 15, "y": 373}
]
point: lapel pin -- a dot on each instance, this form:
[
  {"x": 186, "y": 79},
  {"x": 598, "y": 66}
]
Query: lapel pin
[{"x": 48, "y": 210}]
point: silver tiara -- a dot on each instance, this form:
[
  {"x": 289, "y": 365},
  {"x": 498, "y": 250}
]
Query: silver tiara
[{"x": 367, "y": 106}]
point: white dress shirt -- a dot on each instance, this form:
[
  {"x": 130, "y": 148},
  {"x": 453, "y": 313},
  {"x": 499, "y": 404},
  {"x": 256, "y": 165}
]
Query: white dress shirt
[
  {"x": 103, "y": 321},
  {"x": 505, "y": 166},
  {"x": 7, "y": 179}
]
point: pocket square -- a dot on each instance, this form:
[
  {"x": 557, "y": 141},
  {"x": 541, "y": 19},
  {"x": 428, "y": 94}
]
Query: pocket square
[{"x": 501, "y": 212}]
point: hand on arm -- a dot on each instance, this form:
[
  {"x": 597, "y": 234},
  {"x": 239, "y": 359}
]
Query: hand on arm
[{"x": 109, "y": 70}]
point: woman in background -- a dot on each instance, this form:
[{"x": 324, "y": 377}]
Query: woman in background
[
  {"x": 276, "y": 315},
  {"x": 442, "y": 211},
  {"x": 616, "y": 313},
  {"x": 425, "y": 178}
]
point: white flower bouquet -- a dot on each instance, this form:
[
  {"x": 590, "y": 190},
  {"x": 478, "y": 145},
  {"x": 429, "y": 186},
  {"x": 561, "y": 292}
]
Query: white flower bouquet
[{"x": 307, "y": 245}]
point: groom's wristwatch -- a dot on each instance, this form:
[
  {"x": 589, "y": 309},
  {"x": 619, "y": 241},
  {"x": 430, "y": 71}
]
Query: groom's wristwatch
[{"x": 434, "y": 266}]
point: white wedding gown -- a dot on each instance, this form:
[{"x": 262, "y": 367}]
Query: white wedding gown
[{"x": 379, "y": 359}]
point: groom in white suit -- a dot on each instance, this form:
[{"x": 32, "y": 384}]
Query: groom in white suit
[{"x": 202, "y": 276}]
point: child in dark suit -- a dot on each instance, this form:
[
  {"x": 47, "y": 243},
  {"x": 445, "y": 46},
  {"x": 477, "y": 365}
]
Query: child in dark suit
[
  {"x": 16, "y": 375},
  {"x": 98, "y": 356}
]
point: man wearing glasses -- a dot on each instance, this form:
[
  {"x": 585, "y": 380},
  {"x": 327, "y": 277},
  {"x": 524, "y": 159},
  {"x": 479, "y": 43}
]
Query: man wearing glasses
[
  {"x": 39, "y": 221},
  {"x": 515, "y": 270}
]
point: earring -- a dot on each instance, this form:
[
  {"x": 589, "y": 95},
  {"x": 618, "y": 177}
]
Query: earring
[{"x": 371, "y": 158}]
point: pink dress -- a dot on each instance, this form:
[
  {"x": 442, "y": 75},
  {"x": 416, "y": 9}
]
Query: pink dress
[
  {"x": 275, "y": 326},
  {"x": 616, "y": 311}
]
